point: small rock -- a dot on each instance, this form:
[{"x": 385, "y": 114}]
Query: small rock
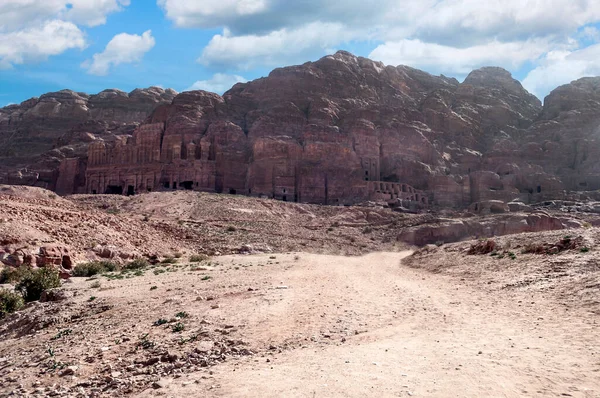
[{"x": 69, "y": 371}]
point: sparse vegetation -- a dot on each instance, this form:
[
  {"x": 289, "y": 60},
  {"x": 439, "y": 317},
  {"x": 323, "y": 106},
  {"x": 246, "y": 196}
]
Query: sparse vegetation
[
  {"x": 10, "y": 302},
  {"x": 169, "y": 260},
  {"x": 182, "y": 315},
  {"x": 178, "y": 327},
  {"x": 153, "y": 287},
  {"x": 177, "y": 255},
  {"x": 206, "y": 277},
  {"x": 231, "y": 228},
  {"x": 92, "y": 298},
  {"x": 14, "y": 275},
  {"x": 62, "y": 333},
  {"x": 145, "y": 343},
  {"x": 35, "y": 282},
  {"x": 94, "y": 268},
  {"x": 96, "y": 285},
  {"x": 136, "y": 264},
  {"x": 198, "y": 258},
  {"x": 160, "y": 322}
]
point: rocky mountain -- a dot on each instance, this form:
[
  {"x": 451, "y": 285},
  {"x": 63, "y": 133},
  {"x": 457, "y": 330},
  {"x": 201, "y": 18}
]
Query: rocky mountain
[
  {"x": 38, "y": 134},
  {"x": 340, "y": 130}
]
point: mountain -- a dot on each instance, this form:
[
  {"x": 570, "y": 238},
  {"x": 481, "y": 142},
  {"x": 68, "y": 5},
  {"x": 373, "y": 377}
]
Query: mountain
[
  {"x": 340, "y": 130},
  {"x": 38, "y": 134}
]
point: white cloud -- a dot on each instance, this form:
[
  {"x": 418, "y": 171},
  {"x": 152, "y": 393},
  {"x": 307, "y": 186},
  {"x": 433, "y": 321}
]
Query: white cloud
[
  {"x": 562, "y": 67},
  {"x": 122, "y": 49},
  {"x": 209, "y": 13},
  {"x": 33, "y": 30},
  {"x": 37, "y": 44},
  {"x": 219, "y": 83},
  {"x": 445, "y": 59},
  {"x": 16, "y": 14},
  {"x": 442, "y": 36},
  {"x": 275, "y": 48}
]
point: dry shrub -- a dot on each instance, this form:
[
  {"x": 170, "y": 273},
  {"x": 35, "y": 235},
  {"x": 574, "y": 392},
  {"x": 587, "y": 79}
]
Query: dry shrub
[{"x": 484, "y": 247}]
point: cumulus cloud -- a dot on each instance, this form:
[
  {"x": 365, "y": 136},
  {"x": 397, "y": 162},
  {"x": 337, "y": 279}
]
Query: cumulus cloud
[
  {"x": 33, "y": 30},
  {"x": 219, "y": 83},
  {"x": 15, "y": 14},
  {"x": 37, "y": 44},
  {"x": 273, "y": 49},
  {"x": 459, "y": 61},
  {"x": 446, "y": 36},
  {"x": 122, "y": 49},
  {"x": 562, "y": 67}
]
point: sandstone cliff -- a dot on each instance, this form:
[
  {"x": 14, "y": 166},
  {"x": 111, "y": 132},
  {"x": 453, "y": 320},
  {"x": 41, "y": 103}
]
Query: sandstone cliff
[
  {"x": 38, "y": 134},
  {"x": 339, "y": 130}
]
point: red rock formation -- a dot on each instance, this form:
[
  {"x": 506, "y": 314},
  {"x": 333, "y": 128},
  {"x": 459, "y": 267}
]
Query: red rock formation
[
  {"x": 332, "y": 130},
  {"x": 66, "y": 121}
]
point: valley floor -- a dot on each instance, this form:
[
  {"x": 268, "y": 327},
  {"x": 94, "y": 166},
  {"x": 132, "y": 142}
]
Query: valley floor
[{"x": 307, "y": 325}]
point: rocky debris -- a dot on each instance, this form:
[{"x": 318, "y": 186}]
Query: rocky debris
[
  {"x": 564, "y": 244},
  {"x": 446, "y": 230},
  {"x": 483, "y": 247},
  {"x": 57, "y": 294},
  {"x": 490, "y": 207},
  {"x": 519, "y": 207}
]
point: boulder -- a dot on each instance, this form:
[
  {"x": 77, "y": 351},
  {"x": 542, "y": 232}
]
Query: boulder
[
  {"x": 489, "y": 207},
  {"x": 519, "y": 207},
  {"x": 55, "y": 256}
]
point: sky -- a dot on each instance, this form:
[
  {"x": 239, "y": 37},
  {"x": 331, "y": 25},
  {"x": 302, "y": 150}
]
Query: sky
[{"x": 92, "y": 45}]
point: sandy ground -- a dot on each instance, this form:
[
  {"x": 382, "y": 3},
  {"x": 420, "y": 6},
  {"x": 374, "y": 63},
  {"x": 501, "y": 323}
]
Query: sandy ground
[{"x": 314, "y": 326}]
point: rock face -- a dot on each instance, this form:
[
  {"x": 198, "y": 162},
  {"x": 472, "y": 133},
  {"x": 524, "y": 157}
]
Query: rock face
[
  {"x": 342, "y": 130},
  {"x": 37, "y": 136}
]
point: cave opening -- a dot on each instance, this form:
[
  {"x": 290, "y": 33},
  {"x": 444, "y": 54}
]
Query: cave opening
[
  {"x": 188, "y": 185},
  {"x": 114, "y": 190},
  {"x": 130, "y": 190},
  {"x": 232, "y": 191}
]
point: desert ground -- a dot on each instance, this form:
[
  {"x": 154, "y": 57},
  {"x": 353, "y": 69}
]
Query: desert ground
[{"x": 297, "y": 301}]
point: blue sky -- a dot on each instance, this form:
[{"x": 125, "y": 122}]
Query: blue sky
[{"x": 91, "y": 45}]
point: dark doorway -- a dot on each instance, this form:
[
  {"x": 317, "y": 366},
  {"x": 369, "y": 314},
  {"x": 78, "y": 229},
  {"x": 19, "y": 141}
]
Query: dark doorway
[
  {"x": 296, "y": 197},
  {"x": 94, "y": 192},
  {"x": 149, "y": 189},
  {"x": 232, "y": 191},
  {"x": 189, "y": 185},
  {"x": 174, "y": 185},
  {"x": 114, "y": 190},
  {"x": 130, "y": 190},
  {"x": 284, "y": 198},
  {"x": 166, "y": 185},
  {"x": 539, "y": 189}
]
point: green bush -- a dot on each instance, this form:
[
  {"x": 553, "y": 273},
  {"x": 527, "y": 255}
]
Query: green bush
[
  {"x": 10, "y": 302},
  {"x": 198, "y": 258},
  {"x": 169, "y": 260},
  {"x": 94, "y": 268},
  {"x": 14, "y": 275},
  {"x": 37, "y": 281},
  {"x": 138, "y": 263}
]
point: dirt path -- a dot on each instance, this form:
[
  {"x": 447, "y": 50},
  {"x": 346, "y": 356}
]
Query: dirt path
[{"x": 369, "y": 326}]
